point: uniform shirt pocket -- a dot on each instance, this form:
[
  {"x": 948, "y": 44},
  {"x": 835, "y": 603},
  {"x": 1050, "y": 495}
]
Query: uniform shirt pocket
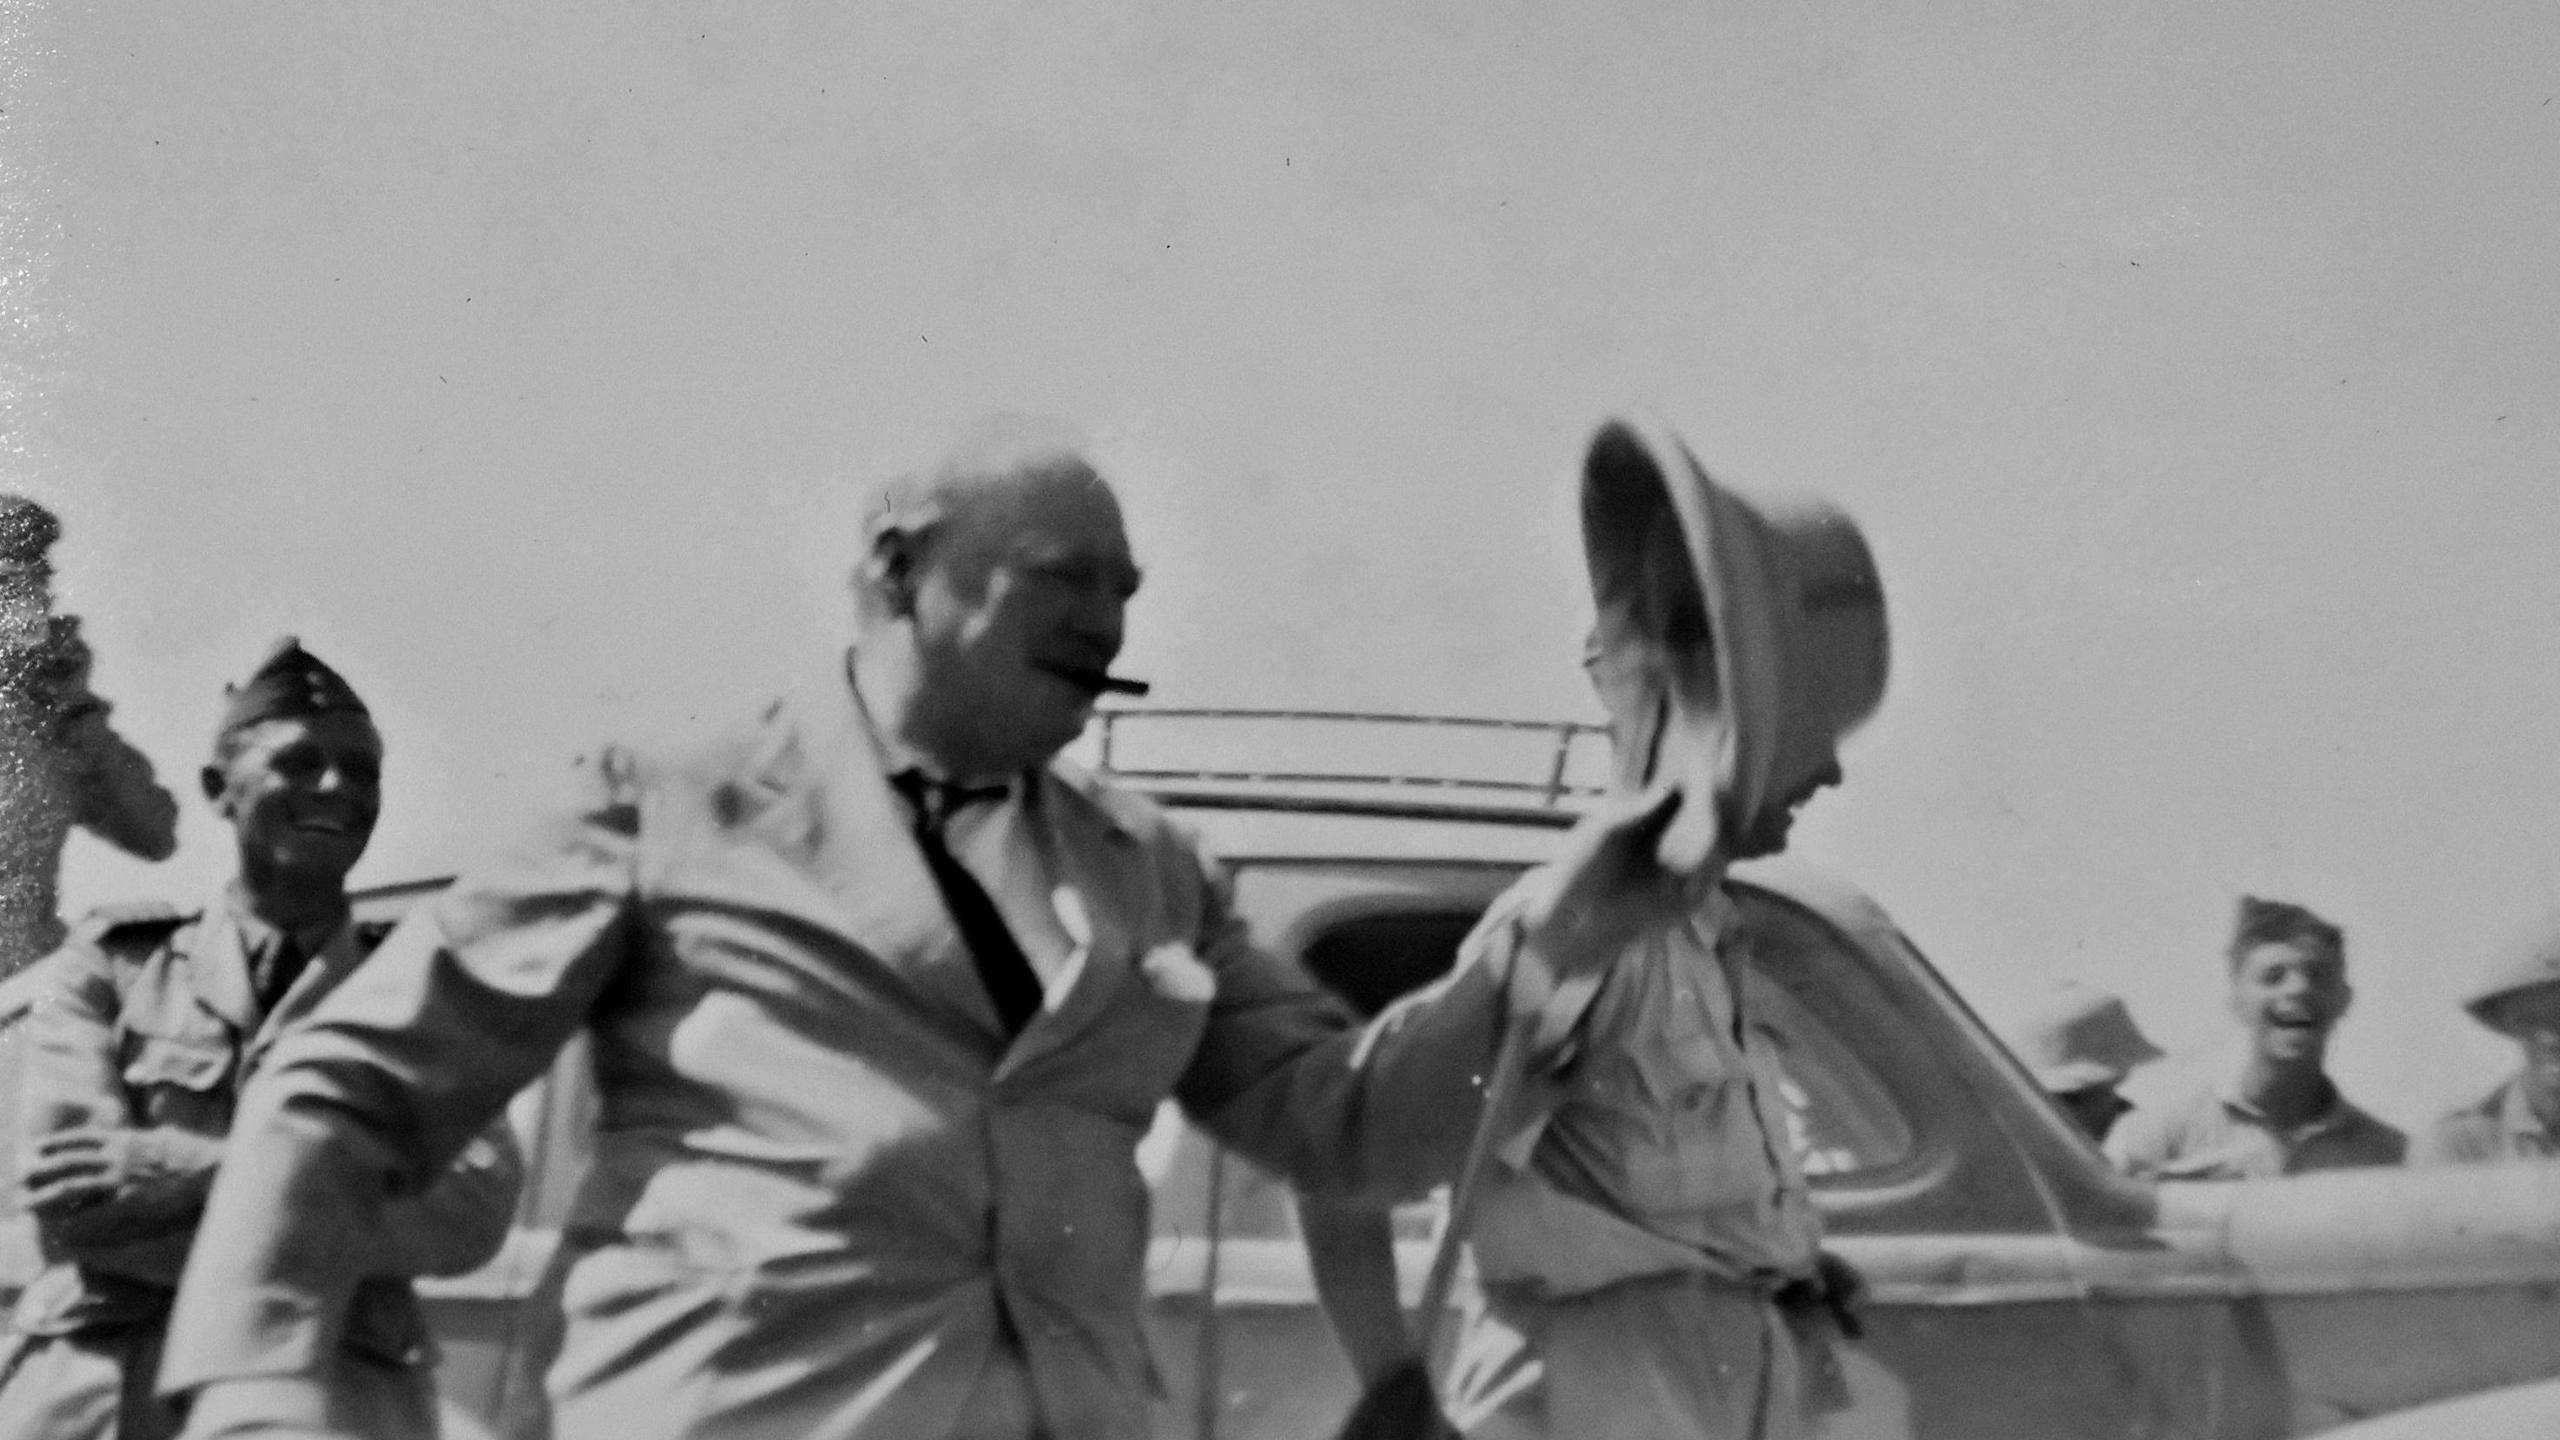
[
  {"x": 180, "y": 1079},
  {"x": 1689, "y": 1134}
]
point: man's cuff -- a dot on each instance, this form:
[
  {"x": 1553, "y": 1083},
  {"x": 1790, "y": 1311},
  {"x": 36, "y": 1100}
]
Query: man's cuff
[{"x": 283, "y": 1336}]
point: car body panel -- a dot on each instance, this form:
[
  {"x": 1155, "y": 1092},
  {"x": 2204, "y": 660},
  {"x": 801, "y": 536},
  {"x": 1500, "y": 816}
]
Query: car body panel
[{"x": 2514, "y": 1412}]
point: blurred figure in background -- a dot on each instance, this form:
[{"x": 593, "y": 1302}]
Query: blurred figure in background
[
  {"x": 2080, "y": 1043},
  {"x": 61, "y": 764},
  {"x": 2519, "y": 998},
  {"x": 2281, "y": 1114}
]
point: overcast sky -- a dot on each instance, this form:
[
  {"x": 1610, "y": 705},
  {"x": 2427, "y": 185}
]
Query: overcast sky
[{"x": 2191, "y": 365}]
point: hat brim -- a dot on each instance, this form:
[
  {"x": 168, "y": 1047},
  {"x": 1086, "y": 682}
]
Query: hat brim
[
  {"x": 1638, "y": 477},
  {"x": 2485, "y": 1007},
  {"x": 2078, "y": 1075}
]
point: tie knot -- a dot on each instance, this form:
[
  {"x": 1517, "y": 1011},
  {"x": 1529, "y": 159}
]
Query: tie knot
[{"x": 936, "y": 801}]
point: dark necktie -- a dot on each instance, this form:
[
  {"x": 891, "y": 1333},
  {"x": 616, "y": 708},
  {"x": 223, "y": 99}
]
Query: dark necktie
[
  {"x": 283, "y": 966},
  {"x": 1011, "y": 982}
]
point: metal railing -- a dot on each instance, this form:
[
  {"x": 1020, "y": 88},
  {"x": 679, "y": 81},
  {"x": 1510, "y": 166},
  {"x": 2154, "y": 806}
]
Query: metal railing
[{"x": 1355, "y": 759}]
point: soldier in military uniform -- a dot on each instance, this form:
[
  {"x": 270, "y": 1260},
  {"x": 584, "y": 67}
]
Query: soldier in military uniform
[
  {"x": 62, "y": 765},
  {"x": 152, "y": 1021},
  {"x": 2520, "y": 1120},
  {"x": 2280, "y": 1114},
  {"x": 1647, "y": 1247}
]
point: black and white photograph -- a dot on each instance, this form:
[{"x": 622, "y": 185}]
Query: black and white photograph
[{"x": 1104, "y": 721}]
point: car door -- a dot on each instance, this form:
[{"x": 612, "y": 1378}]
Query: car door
[
  {"x": 2020, "y": 1286},
  {"x": 1933, "y": 1171}
]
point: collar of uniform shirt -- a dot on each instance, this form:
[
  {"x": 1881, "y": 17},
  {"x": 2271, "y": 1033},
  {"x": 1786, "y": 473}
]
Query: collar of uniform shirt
[
  {"x": 2334, "y": 1112},
  {"x": 260, "y": 936}
]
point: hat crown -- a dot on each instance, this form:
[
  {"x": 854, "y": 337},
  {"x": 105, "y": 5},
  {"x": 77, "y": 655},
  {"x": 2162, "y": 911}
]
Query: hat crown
[
  {"x": 1768, "y": 608},
  {"x": 2082, "y": 1036},
  {"x": 289, "y": 684},
  {"x": 2529, "y": 960},
  {"x": 1842, "y": 663}
]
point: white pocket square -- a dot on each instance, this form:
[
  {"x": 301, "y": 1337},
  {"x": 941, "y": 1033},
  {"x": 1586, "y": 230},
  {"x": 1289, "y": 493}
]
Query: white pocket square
[{"x": 1177, "y": 974}]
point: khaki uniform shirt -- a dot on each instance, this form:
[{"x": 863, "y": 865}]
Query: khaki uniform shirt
[
  {"x": 154, "y": 1022},
  {"x": 2500, "y": 1126},
  {"x": 1669, "y": 1149},
  {"x": 2213, "y": 1134},
  {"x": 1633, "y": 1239}
]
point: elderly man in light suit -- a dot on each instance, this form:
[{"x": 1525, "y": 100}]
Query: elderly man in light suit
[{"x": 882, "y": 996}]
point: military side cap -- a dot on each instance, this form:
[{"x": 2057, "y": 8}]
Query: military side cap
[
  {"x": 2529, "y": 961},
  {"x": 2281, "y": 922},
  {"x": 290, "y": 684},
  {"x": 1768, "y": 612},
  {"x": 27, "y": 530},
  {"x": 2080, "y": 1036}
]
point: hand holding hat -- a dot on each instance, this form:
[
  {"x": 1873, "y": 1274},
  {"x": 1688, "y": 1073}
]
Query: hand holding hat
[
  {"x": 1759, "y": 624},
  {"x": 1607, "y": 888}
]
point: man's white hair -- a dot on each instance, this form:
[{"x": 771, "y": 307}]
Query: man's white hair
[{"x": 990, "y": 458}]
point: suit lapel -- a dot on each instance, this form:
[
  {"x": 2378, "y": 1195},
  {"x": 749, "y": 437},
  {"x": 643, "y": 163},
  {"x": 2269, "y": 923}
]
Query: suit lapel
[
  {"x": 1088, "y": 857},
  {"x": 830, "y": 811}
]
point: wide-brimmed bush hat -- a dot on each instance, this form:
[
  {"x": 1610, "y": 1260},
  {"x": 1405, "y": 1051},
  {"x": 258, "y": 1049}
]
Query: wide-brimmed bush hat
[
  {"x": 2078, "y": 1036},
  {"x": 2528, "y": 961},
  {"x": 1762, "y": 617}
]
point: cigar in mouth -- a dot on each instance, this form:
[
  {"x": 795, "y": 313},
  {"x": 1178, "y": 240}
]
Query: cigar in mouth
[{"x": 1097, "y": 681}]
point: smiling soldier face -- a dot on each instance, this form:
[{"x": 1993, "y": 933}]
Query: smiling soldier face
[
  {"x": 303, "y": 794},
  {"x": 2289, "y": 995}
]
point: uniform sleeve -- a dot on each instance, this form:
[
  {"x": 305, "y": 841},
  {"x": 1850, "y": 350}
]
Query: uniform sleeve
[
  {"x": 71, "y": 1077},
  {"x": 1369, "y": 1114},
  {"x": 388, "y": 1079},
  {"x": 142, "y": 1230}
]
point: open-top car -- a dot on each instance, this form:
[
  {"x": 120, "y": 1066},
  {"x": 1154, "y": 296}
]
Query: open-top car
[{"x": 2021, "y": 1288}]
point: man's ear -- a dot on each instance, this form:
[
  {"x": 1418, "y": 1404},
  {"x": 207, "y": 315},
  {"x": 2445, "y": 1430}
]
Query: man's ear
[{"x": 887, "y": 574}]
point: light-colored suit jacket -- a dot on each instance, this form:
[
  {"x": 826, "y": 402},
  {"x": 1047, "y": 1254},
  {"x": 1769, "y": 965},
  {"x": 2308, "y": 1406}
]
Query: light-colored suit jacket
[{"x": 828, "y": 1199}]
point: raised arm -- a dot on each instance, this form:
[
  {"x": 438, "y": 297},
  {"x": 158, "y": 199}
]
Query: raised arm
[
  {"x": 116, "y": 797},
  {"x": 1380, "y": 1113},
  {"x": 386, "y": 1082},
  {"x": 1351, "y": 1250}
]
